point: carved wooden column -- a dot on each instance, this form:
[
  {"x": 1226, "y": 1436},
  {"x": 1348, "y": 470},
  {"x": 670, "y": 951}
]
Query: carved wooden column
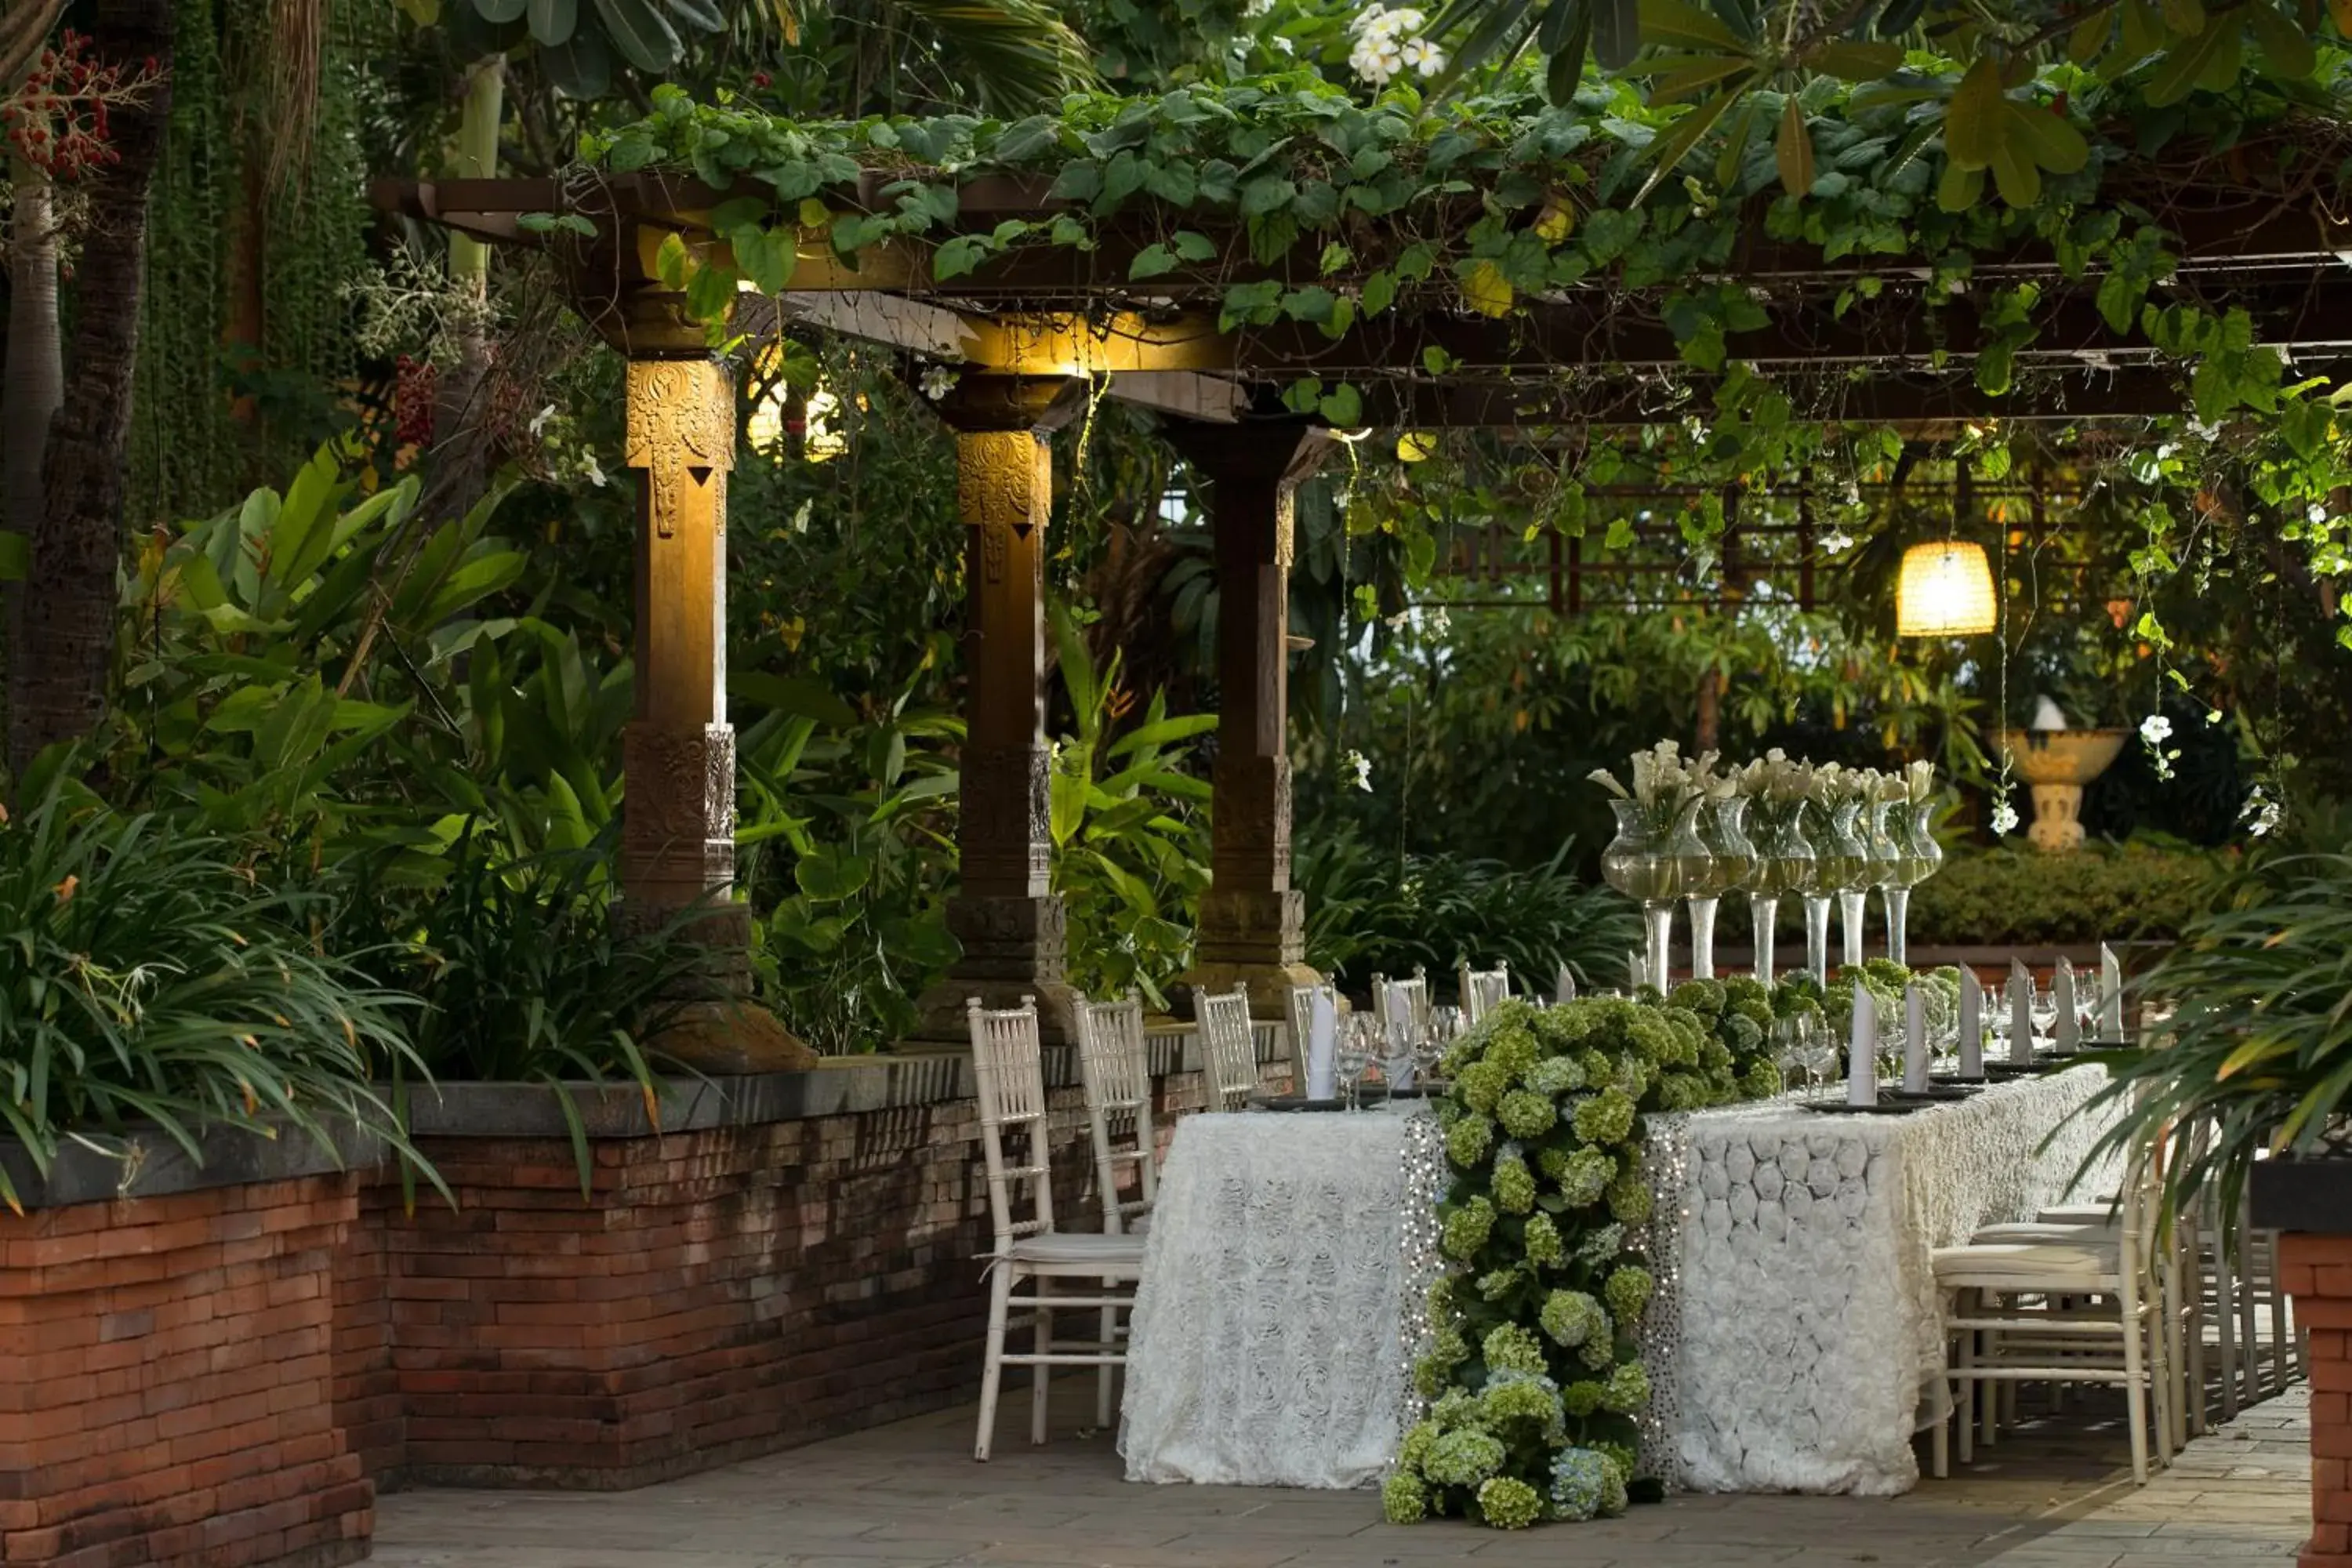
[
  {"x": 1252, "y": 923},
  {"x": 1004, "y": 913},
  {"x": 677, "y": 752}
]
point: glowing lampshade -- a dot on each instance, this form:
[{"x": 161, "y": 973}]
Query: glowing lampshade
[{"x": 1946, "y": 591}]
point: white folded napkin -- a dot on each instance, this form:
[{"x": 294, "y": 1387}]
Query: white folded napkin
[
  {"x": 1563, "y": 986},
  {"x": 2066, "y": 1033},
  {"x": 1915, "y": 1039},
  {"x": 1862, "y": 1052},
  {"x": 1971, "y": 1026},
  {"x": 1323, "y": 1045},
  {"x": 1398, "y": 1065},
  {"x": 2111, "y": 994},
  {"x": 2021, "y": 1016}
]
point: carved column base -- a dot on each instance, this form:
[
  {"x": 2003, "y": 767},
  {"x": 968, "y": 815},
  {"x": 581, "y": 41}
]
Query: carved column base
[
  {"x": 1253, "y": 939},
  {"x": 1012, "y": 947},
  {"x": 734, "y": 1037}
]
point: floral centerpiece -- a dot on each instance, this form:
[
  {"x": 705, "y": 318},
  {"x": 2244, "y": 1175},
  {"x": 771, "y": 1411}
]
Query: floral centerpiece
[
  {"x": 1535, "y": 1377},
  {"x": 1664, "y": 783}
]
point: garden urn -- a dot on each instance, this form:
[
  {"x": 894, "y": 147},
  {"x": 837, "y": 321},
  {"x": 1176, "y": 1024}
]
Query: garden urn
[{"x": 2057, "y": 763}]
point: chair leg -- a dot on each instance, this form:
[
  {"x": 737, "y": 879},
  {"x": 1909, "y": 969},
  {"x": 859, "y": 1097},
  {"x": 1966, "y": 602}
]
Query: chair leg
[
  {"x": 991, "y": 1367},
  {"x": 1965, "y": 1416},
  {"x": 1103, "y": 1378},
  {"x": 1041, "y": 1379},
  {"x": 2249, "y": 1332},
  {"x": 2225, "y": 1317},
  {"x": 1941, "y": 1444},
  {"x": 2136, "y": 1398}
]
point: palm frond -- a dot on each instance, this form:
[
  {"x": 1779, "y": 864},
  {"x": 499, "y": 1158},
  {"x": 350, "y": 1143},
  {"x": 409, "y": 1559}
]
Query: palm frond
[{"x": 1018, "y": 55}]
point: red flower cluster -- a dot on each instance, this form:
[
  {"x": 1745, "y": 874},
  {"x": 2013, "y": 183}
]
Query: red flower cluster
[
  {"x": 413, "y": 390},
  {"x": 57, "y": 119}
]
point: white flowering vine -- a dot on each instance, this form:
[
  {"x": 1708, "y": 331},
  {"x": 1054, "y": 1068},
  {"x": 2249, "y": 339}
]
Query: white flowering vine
[
  {"x": 2154, "y": 730},
  {"x": 1360, "y": 767},
  {"x": 2261, "y": 814},
  {"x": 937, "y": 381},
  {"x": 1388, "y": 42}
]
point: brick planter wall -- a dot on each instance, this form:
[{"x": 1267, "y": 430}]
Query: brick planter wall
[
  {"x": 222, "y": 1370},
  {"x": 2316, "y": 1270},
  {"x": 170, "y": 1396}
]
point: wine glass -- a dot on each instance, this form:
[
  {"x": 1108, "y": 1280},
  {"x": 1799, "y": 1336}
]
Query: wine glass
[
  {"x": 1358, "y": 1047},
  {"x": 1822, "y": 1049},
  {"x": 2044, "y": 1009},
  {"x": 1913, "y": 829},
  {"x": 1789, "y": 1052}
]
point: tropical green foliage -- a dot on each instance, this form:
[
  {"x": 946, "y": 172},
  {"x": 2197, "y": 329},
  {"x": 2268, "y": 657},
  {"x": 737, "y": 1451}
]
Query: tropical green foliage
[
  {"x": 2258, "y": 1048},
  {"x": 2099, "y": 893},
  {"x": 150, "y": 983},
  {"x": 1370, "y": 911}
]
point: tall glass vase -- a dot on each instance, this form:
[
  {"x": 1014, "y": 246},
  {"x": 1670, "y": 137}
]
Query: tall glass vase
[
  {"x": 1889, "y": 868},
  {"x": 1722, "y": 827},
  {"x": 1638, "y": 865},
  {"x": 1912, "y": 826},
  {"x": 1695, "y": 878},
  {"x": 1817, "y": 936},
  {"x": 1784, "y": 865},
  {"x": 1841, "y": 866}
]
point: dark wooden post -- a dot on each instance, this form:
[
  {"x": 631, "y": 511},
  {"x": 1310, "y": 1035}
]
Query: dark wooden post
[
  {"x": 1253, "y": 922},
  {"x": 1006, "y": 912}
]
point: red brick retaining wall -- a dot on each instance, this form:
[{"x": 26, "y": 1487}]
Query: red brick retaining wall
[
  {"x": 225, "y": 1376},
  {"x": 168, "y": 1398},
  {"x": 2316, "y": 1270}
]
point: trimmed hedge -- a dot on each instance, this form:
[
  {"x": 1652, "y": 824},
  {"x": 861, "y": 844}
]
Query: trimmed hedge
[{"x": 2100, "y": 892}]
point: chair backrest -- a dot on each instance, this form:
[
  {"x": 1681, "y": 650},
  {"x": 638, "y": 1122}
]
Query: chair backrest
[
  {"x": 1118, "y": 1078},
  {"x": 1484, "y": 990},
  {"x": 1302, "y": 1028},
  {"x": 1413, "y": 997},
  {"x": 1228, "y": 1048},
  {"x": 1008, "y": 1065}
]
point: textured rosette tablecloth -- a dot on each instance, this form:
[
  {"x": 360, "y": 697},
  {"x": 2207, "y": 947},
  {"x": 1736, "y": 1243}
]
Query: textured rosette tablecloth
[
  {"x": 1802, "y": 1336},
  {"x": 1285, "y": 1283}
]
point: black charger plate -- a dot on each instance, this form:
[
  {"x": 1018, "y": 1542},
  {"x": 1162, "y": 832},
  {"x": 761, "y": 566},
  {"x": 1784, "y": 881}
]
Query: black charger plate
[{"x": 1297, "y": 1102}]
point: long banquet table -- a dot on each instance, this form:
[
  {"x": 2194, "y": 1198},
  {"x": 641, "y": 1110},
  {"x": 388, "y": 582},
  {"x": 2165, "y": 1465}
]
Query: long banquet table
[{"x": 1792, "y": 1345}]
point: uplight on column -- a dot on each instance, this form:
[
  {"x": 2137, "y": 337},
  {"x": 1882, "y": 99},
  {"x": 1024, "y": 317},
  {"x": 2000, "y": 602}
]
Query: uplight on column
[{"x": 1945, "y": 591}]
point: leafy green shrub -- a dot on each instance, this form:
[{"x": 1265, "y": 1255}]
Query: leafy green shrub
[
  {"x": 149, "y": 982},
  {"x": 2259, "y": 1047},
  {"x": 2100, "y": 892},
  {"x": 1370, "y": 912}
]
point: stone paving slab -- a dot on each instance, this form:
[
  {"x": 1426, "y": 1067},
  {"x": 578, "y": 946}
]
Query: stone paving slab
[{"x": 2056, "y": 1495}]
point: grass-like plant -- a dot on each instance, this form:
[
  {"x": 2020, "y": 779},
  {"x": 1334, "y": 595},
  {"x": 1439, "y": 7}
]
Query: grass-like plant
[
  {"x": 2258, "y": 1051},
  {"x": 148, "y": 983}
]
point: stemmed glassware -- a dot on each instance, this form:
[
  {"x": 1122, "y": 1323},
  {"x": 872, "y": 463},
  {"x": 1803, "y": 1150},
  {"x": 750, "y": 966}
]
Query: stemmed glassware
[
  {"x": 1726, "y": 865},
  {"x": 1841, "y": 862},
  {"x": 1910, "y": 825},
  {"x": 1887, "y": 865},
  {"x": 1358, "y": 1047},
  {"x": 1776, "y": 790}
]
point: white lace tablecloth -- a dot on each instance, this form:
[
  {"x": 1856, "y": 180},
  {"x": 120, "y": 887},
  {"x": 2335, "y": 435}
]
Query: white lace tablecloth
[
  {"x": 1280, "y": 1289},
  {"x": 1802, "y": 1335}
]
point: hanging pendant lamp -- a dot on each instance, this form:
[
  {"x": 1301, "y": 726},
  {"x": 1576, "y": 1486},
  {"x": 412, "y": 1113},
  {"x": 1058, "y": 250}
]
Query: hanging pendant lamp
[{"x": 1945, "y": 591}]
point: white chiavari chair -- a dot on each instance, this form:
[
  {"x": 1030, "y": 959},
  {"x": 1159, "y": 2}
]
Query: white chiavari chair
[
  {"x": 1408, "y": 999},
  {"x": 1301, "y": 1014},
  {"x": 1008, "y": 1065},
  {"x": 1484, "y": 990},
  {"x": 1228, "y": 1047}
]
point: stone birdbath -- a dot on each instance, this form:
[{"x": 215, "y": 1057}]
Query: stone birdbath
[{"x": 2058, "y": 763}]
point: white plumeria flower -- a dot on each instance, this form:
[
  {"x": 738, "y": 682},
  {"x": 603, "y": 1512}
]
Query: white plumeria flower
[
  {"x": 1424, "y": 57},
  {"x": 2155, "y": 728},
  {"x": 539, "y": 420},
  {"x": 1285, "y": 45},
  {"x": 1376, "y": 60},
  {"x": 1361, "y": 765},
  {"x": 937, "y": 381},
  {"x": 1836, "y": 541}
]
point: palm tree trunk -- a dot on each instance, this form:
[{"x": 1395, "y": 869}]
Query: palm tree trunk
[
  {"x": 56, "y": 680},
  {"x": 36, "y": 376}
]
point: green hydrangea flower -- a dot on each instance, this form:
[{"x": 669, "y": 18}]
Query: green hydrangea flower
[
  {"x": 1509, "y": 1503},
  {"x": 1682, "y": 1091},
  {"x": 1714, "y": 1053},
  {"x": 1418, "y": 1441},
  {"x": 1553, "y": 1163},
  {"x": 1628, "y": 1199},
  {"x": 1454, "y": 1409},
  {"x": 1598, "y": 1068},
  {"x": 1514, "y": 1184},
  {"x": 1758, "y": 1013},
  {"x": 1480, "y": 1085},
  {"x": 1431, "y": 1376},
  {"x": 1600, "y": 1244},
  {"x": 1599, "y": 1352},
  {"x": 1705, "y": 997},
  {"x": 1441, "y": 1299},
  {"x": 1467, "y": 1228},
  {"x": 1524, "y": 1113},
  {"x": 1628, "y": 1389},
  {"x": 1744, "y": 990},
  {"x": 1628, "y": 1292},
  {"x": 1579, "y": 1484},
  {"x": 1581, "y": 1399},
  {"x": 1634, "y": 1077},
  {"x": 1558, "y": 1029},
  {"x": 1605, "y": 1118},
  {"x": 1511, "y": 1348},
  {"x": 1620, "y": 1455},
  {"x": 1761, "y": 1081},
  {"x": 1464, "y": 1458},
  {"x": 1556, "y": 1075},
  {"x": 1571, "y": 1318},
  {"x": 1493, "y": 1284},
  {"x": 1586, "y": 1176},
  {"x": 1742, "y": 1033},
  {"x": 1542, "y": 1242},
  {"x": 1403, "y": 1500},
  {"x": 1513, "y": 1048},
  {"x": 1468, "y": 1142},
  {"x": 1522, "y": 1398}
]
